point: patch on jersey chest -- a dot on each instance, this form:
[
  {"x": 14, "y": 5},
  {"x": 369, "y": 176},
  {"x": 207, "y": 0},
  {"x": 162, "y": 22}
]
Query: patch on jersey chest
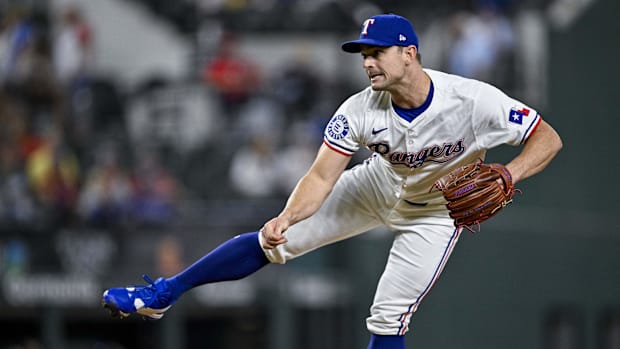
[
  {"x": 338, "y": 127},
  {"x": 517, "y": 115}
]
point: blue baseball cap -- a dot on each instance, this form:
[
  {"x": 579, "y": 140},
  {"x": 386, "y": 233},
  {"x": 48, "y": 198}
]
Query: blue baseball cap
[{"x": 384, "y": 30}]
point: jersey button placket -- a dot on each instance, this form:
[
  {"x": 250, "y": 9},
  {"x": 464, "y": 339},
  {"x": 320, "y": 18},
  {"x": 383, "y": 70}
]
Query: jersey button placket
[
  {"x": 410, "y": 136},
  {"x": 410, "y": 142}
]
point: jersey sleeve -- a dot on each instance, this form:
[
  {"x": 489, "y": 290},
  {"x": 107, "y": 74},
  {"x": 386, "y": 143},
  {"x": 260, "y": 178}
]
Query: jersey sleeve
[
  {"x": 500, "y": 119},
  {"x": 342, "y": 130}
]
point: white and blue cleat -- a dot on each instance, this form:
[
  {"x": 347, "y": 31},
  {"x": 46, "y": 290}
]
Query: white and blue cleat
[{"x": 151, "y": 301}]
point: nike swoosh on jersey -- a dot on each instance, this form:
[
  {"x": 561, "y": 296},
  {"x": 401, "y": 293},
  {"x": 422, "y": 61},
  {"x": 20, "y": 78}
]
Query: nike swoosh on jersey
[{"x": 374, "y": 132}]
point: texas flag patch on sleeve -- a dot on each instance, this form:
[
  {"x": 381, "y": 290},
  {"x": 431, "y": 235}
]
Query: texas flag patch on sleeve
[
  {"x": 517, "y": 115},
  {"x": 528, "y": 120}
]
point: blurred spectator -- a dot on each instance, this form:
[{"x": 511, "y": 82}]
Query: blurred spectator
[
  {"x": 54, "y": 174},
  {"x": 15, "y": 126},
  {"x": 16, "y": 143},
  {"x": 73, "y": 47},
  {"x": 16, "y": 202},
  {"x": 105, "y": 198},
  {"x": 95, "y": 112},
  {"x": 262, "y": 115},
  {"x": 26, "y": 69},
  {"x": 304, "y": 139},
  {"x": 16, "y": 35},
  {"x": 234, "y": 78},
  {"x": 168, "y": 256},
  {"x": 297, "y": 86},
  {"x": 156, "y": 191},
  {"x": 482, "y": 40},
  {"x": 39, "y": 87},
  {"x": 15, "y": 258},
  {"x": 253, "y": 170}
]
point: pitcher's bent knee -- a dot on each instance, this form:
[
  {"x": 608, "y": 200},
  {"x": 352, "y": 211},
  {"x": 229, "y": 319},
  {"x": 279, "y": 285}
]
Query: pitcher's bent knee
[{"x": 274, "y": 255}]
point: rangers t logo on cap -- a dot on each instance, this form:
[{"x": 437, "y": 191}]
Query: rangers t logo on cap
[{"x": 365, "y": 26}]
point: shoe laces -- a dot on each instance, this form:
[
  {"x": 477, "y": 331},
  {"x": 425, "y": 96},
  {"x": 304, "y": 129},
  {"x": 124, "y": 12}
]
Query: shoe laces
[{"x": 155, "y": 295}]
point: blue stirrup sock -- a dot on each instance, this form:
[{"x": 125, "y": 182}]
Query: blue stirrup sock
[
  {"x": 386, "y": 342},
  {"x": 232, "y": 260}
]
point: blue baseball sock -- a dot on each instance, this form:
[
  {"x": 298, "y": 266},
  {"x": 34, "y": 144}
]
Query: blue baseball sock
[
  {"x": 232, "y": 260},
  {"x": 386, "y": 342}
]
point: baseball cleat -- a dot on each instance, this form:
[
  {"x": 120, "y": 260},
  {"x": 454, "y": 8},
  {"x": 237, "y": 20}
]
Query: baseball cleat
[{"x": 151, "y": 301}]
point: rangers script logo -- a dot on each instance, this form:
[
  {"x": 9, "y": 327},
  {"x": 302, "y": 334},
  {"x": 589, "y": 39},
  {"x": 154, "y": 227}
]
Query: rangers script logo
[{"x": 434, "y": 153}]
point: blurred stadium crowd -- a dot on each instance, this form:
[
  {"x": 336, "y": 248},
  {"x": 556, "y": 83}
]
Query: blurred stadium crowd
[
  {"x": 59, "y": 160},
  {"x": 67, "y": 156}
]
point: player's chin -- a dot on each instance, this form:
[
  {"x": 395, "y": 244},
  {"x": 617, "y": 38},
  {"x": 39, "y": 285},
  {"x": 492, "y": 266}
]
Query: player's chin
[{"x": 377, "y": 85}]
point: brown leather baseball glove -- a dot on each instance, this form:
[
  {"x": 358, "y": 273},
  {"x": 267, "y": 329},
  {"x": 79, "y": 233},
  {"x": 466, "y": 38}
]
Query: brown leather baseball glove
[{"x": 476, "y": 192}]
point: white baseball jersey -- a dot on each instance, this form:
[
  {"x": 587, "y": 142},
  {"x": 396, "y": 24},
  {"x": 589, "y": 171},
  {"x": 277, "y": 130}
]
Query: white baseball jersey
[{"x": 463, "y": 118}]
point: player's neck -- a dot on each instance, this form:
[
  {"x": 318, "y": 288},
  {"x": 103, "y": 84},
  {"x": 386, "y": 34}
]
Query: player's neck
[{"x": 413, "y": 92}]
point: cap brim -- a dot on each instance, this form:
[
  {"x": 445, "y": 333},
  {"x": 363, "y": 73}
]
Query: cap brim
[{"x": 355, "y": 46}]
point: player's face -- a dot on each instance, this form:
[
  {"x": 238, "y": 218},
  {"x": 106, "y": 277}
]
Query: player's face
[{"x": 385, "y": 66}]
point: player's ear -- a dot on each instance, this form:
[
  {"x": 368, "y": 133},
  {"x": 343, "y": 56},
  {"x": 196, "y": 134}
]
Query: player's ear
[{"x": 412, "y": 52}]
